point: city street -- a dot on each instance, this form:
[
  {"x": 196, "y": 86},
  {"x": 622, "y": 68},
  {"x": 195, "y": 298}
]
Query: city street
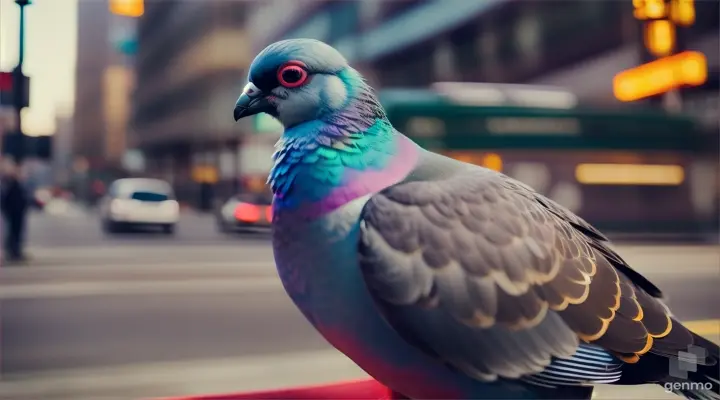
[
  {"x": 77, "y": 227},
  {"x": 338, "y": 97},
  {"x": 146, "y": 315}
]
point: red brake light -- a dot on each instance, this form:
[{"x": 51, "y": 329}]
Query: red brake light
[
  {"x": 247, "y": 212},
  {"x": 269, "y": 213}
]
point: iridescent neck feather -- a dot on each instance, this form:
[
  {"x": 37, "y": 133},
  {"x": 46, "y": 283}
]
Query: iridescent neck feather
[{"x": 327, "y": 162}]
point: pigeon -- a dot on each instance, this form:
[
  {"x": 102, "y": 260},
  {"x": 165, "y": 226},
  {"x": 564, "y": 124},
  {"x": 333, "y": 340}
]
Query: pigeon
[{"x": 443, "y": 279}]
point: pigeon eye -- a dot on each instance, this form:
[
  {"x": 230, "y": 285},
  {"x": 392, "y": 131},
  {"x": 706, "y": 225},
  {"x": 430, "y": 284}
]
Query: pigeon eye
[{"x": 292, "y": 75}]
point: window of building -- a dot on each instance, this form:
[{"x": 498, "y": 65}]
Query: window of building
[
  {"x": 171, "y": 41},
  {"x": 444, "y": 61},
  {"x": 564, "y": 33},
  {"x": 521, "y": 40},
  {"x": 156, "y": 13},
  {"x": 467, "y": 58},
  {"x": 527, "y": 37},
  {"x": 487, "y": 45},
  {"x": 412, "y": 67},
  {"x": 589, "y": 20}
]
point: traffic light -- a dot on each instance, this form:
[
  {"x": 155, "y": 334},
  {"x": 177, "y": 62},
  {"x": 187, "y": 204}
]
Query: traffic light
[
  {"x": 684, "y": 69},
  {"x": 14, "y": 89},
  {"x": 682, "y": 12},
  {"x": 649, "y": 9},
  {"x": 6, "y": 81},
  {"x": 660, "y": 17},
  {"x": 660, "y": 37},
  {"x": 127, "y": 8}
]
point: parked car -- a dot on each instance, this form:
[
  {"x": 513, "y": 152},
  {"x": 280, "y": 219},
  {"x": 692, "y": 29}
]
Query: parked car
[
  {"x": 139, "y": 202},
  {"x": 244, "y": 212}
]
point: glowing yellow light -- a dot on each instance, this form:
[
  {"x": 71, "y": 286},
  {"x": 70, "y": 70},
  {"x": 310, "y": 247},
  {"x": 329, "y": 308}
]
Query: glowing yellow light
[
  {"x": 660, "y": 76},
  {"x": 649, "y": 9},
  {"x": 492, "y": 161},
  {"x": 683, "y": 12},
  {"x": 660, "y": 37},
  {"x": 465, "y": 158},
  {"x": 694, "y": 71},
  {"x": 639, "y": 10},
  {"x": 655, "y": 8},
  {"x": 204, "y": 174},
  {"x": 128, "y": 8},
  {"x": 630, "y": 174}
]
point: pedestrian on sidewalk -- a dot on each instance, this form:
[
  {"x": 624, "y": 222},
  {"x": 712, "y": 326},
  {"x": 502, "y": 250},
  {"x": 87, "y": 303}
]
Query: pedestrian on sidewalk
[{"x": 14, "y": 204}]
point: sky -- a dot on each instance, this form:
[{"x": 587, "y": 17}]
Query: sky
[{"x": 50, "y": 56}]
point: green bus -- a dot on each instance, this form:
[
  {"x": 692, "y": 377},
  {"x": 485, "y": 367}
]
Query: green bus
[{"x": 630, "y": 172}]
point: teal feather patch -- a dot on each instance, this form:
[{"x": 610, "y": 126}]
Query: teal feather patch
[
  {"x": 306, "y": 174},
  {"x": 314, "y": 157}
]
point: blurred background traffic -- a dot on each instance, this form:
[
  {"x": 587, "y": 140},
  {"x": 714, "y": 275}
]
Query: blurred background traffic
[{"x": 115, "y": 118}]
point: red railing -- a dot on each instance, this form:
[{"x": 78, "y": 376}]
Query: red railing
[{"x": 357, "y": 390}]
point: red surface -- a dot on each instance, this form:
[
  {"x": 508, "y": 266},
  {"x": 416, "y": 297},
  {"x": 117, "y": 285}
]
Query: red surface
[
  {"x": 6, "y": 81},
  {"x": 269, "y": 213},
  {"x": 357, "y": 390}
]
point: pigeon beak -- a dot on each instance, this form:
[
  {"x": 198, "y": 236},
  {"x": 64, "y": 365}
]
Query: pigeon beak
[{"x": 252, "y": 101}]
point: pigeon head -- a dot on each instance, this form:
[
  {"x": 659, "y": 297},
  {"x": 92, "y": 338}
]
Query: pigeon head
[
  {"x": 338, "y": 143},
  {"x": 296, "y": 81}
]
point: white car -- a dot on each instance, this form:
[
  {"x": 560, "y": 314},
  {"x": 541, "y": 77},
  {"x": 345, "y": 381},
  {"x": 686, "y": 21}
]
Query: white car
[{"x": 139, "y": 202}]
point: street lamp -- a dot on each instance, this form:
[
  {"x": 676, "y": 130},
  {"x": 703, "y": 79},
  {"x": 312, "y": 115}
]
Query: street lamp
[{"x": 20, "y": 84}]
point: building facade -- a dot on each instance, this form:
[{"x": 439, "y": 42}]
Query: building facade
[
  {"x": 104, "y": 80},
  {"x": 62, "y": 150},
  {"x": 577, "y": 45},
  {"x": 412, "y": 43},
  {"x": 191, "y": 65}
]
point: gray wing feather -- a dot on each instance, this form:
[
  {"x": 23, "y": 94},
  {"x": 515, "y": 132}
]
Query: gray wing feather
[{"x": 480, "y": 273}]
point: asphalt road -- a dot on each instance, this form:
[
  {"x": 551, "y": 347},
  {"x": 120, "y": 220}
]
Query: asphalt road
[
  {"x": 81, "y": 228},
  {"x": 135, "y": 316}
]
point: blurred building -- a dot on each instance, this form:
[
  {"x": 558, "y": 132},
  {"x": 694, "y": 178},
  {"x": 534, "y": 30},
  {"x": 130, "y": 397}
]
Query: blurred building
[
  {"x": 191, "y": 63},
  {"x": 62, "y": 151},
  {"x": 104, "y": 82},
  {"x": 579, "y": 45}
]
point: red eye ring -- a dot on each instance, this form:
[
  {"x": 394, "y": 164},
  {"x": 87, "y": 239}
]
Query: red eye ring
[{"x": 292, "y": 67}]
